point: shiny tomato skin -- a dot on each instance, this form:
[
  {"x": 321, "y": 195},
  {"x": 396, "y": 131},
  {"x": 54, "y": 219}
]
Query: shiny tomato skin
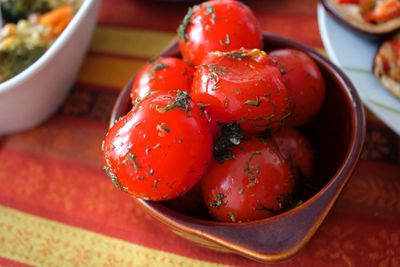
[
  {"x": 255, "y": 184},
  {"x": 164, "y": 74},
  {"x": 304, "y": 81},
  {"x": 242, "y": 86},
  {"x": 297, "y": 150},
  {"x": 158, "y": 151},
  {"x": 218, "y": 25}
]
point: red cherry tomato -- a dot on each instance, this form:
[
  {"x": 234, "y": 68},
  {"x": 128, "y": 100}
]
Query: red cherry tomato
[
  {"x": 218, "y": 25},
  {"x": 304, "y": 82},
  {"x": 296, "y": 149},
  {"x": 243, "y": 86},
  {"x": 160, "y": 149},
  {"x": 256, "y": 183},
  {"x": 164, "y": 74}
]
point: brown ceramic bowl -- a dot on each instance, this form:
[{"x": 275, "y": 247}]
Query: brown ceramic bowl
[
  {"x": 336, "y": 134},
  {"x": 367, "y": 31}
]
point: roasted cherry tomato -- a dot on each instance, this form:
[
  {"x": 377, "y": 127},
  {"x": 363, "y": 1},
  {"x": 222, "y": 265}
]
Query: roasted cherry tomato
[
  {"x": 296, "y": 149},
  {"x": 164, "y": 74},
  {"x": 304, "y": 83},
  {"x": 218, "y": 25},
  {"x": 243, "y": 86},
  {"x": 160, "y": 149},
  {"x": 256, "y": 183}
]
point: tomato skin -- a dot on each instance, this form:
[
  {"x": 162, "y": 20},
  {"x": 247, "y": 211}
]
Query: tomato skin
[
  {"x": 304, "y": 81},
  {"x": 156, "y": 154},
  {"x": 255, "y": 184},
  {"x": 243, "y": 86},
  {"x": 218, "y": 25},
  {"x": 297, "y": 150},
  {"x": 164, "y": 74}
]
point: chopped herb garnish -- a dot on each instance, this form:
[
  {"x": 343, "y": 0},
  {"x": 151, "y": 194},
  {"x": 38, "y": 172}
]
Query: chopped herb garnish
[
  {"x": 114, "y": 179},
  {"x": 181, "y": 101},
  {"x": 211, "y": 10},
  {"x": 156, "y": 145},
  {"x": 247, "y": 169},
  {"x": 240, "y": 54},
  {"x": 261, "y": 207},
  {"x": 226, "y": 41},
  {"x": 219, "y": 201},
  {"x": 156, "y": 68},
  {"x": 182, "y": 29},
  {"x": 241, "y": 191},
  {"x": 255, "y": 102},
  {"x": 232, "y": 216},
  {"x": 163, "y": 127},
  {"x": 155, "y": 184},
  {"x": 132, "y": 158}
]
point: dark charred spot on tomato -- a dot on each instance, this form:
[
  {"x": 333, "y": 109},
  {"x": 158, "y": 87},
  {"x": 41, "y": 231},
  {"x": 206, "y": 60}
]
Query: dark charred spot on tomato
[
  {"x": 163, "y": 128},
  {"x": 230, "y": 135},
  {"x": 226, "y": 41},
  {"x": 181, "y": 101},
  {"x": 211, "y": 11},
  {"x": 253, "y": 102},
  {"x": 219, "y": 201},
  {"x": 132, "y": 158},
  {"x": 249, "y": 168},
  {"x": 182, "y": 29},
  {"x": 114, "y": 179},
  {"x": 232, "y": 216}
]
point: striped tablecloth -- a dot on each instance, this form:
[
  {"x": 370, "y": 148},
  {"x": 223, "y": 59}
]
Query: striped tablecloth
[{"x": 58, "y": 208}]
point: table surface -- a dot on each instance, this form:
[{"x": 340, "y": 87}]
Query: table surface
[{"x": 58, "y": 208}]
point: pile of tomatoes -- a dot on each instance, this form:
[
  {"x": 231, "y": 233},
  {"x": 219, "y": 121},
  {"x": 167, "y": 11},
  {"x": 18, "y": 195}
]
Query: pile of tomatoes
[{"x": 222, "y": 117}]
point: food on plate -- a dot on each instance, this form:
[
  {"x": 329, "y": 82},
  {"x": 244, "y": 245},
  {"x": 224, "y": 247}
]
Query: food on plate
[
  {"x": 387, "y": 65},
  {"x": 160, "y": 149},
  {"x": 218, "y": 25},
  {"x": 163, "y": 74},
  {"x": 244, "y": 86},
  {"x": 23, "y": 42},
  {"x": 370, "y": 16},
  {"x": 255, "y": 184},
  {"x": 227, "y": 127},
  {"x": 304, "y": 83}
]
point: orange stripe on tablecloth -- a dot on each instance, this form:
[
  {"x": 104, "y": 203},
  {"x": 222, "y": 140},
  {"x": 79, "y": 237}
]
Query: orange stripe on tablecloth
[{"x": 83, "y": 196}]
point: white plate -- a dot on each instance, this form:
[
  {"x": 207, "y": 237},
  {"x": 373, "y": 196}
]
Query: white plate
[{"x": 354, "y": 55}]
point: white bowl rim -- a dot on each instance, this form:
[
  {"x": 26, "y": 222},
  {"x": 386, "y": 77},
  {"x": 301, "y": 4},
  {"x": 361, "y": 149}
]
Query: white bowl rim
[{"x": 50, "y": 52}]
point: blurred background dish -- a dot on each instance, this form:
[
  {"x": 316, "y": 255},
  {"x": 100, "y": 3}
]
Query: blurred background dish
[
  {"x": 355, "y": 56},
  {"x": 33, "y": 95}
]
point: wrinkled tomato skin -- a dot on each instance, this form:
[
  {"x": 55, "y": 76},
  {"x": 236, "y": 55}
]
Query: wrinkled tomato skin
[
  {"x": 156, "y": 154},
  {"x": 164, "y": 74},
  {"x": 245, "y": 89},
  {"x": 297, "y": 150},
  {"x": 304, "y": 82},
  {"x": 255, "y": 184},
  {"x": 221, "y": 25}
]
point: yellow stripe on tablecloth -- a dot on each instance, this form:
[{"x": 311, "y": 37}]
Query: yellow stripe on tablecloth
[
  {"x": 41, "y": 242},
  {"x": 130, "y": 42},
  {"x": 108, "y": 71}
]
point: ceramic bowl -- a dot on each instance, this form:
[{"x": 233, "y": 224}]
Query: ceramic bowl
[
  {"x": 34, "y": 94},
  {"x": 356, "y": 25},
  {"x": 336, "y": 134}
]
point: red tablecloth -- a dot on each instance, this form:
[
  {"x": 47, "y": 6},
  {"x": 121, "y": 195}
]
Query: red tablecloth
[{"x": 58, "y": 208}]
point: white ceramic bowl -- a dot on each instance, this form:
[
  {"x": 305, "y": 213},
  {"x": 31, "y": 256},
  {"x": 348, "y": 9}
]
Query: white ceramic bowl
[{"x": 32, "y": 96}]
